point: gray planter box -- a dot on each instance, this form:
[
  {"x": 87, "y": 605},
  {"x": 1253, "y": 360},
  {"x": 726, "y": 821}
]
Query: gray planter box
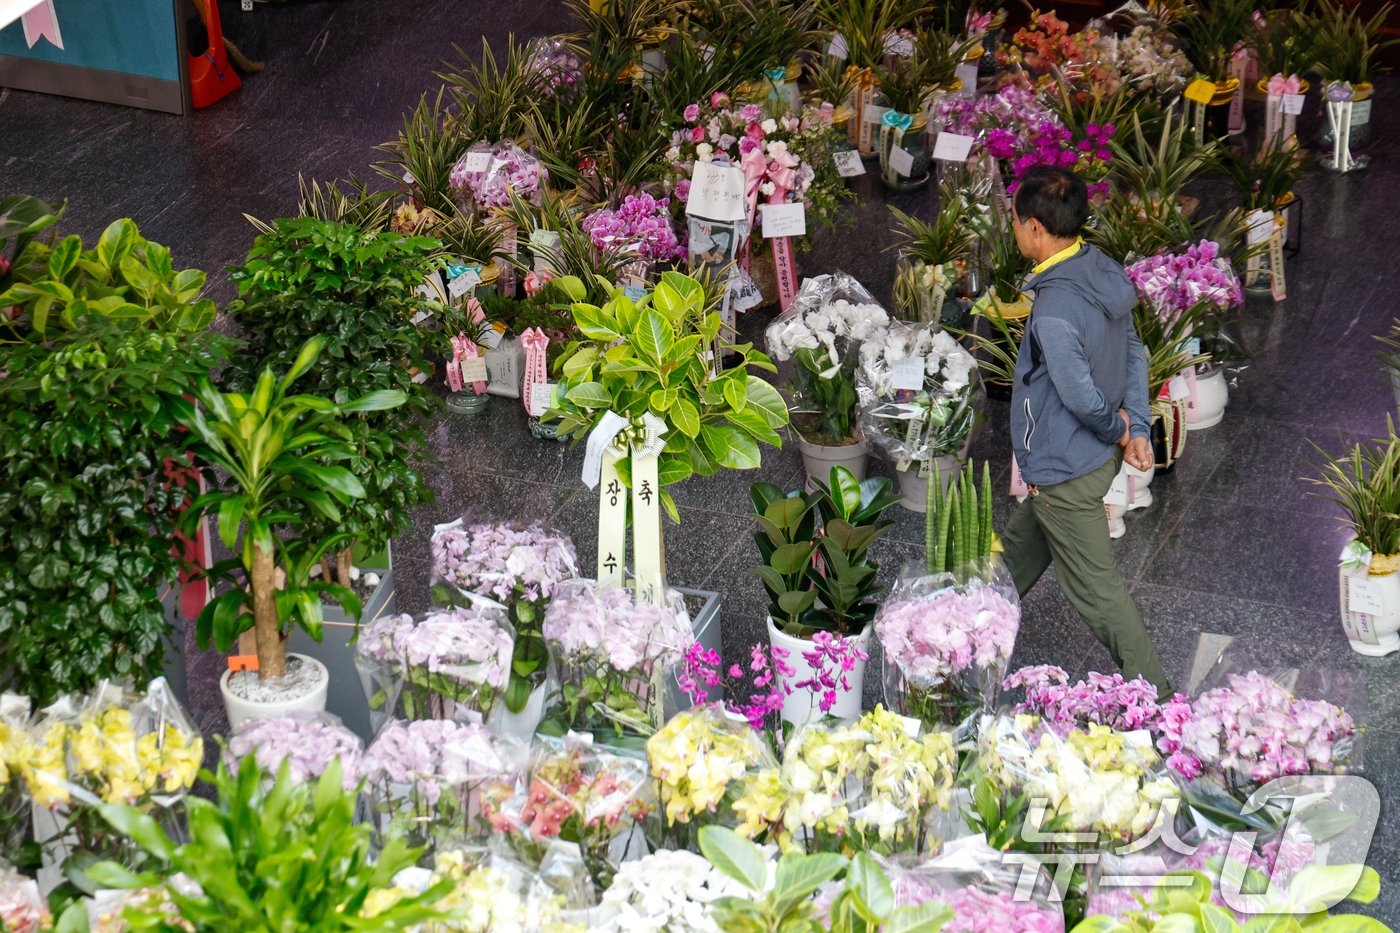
[
  {"x": 346, "y": 698},
  {"x": 705, "y": 622}
]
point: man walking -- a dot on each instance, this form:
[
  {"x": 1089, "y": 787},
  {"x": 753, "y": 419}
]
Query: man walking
[{"x": 1079, "y": 408}]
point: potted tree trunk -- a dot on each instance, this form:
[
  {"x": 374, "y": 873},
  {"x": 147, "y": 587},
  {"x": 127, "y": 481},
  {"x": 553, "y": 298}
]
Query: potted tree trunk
[
  {"x": 284, "y": 456},
  {"x": 1365, "y": 484}
]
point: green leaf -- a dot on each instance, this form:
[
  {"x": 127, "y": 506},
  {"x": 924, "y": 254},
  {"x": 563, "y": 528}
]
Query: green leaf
[
  {"x": 685, "y": 417},
  {"x": 764, "y": 399},
  {"x": 594, "y": 324},
  {"x": 142, "y": 829},
  {"x": 590, "y": 395},
  {"x": 116, "y": 242},
  {"x": 731, "y": 447},
  {"x": 920, "y": 918},
  {"x": 654, "y": 336},
  {"x": 871, "y": 888},
  {"x": 306, "y": 357},
  {"x": 382, "y": 400},
  {"x": 790, "y": 559},
  {"x": 735, "y": 856},
  {"x": 798, "y": 875},
  {"x": 663, "y": 399},
  {"x": 65, "y": 256},
  {"x": 1350, "y": 923},
  {"x": 736, "y": 394}
]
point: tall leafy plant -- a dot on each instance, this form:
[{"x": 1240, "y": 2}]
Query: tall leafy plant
[
  {"x": 424, "y": 152},
  {"x": 103, "y": 346},
  {"x": 958, "y": 523},
  {"x": 648, "y": 357},
  {"x": 357, "y": 291},
  {"x": 1346, "y": 46},
  {"x": 285, "y": 457},
  {"x": 1365, "y": 484}
]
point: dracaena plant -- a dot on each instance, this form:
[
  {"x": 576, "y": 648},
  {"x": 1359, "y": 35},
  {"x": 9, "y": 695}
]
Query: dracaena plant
[
  {"x": 269, "y": 854},
  {"x": 1365, "y": 483},
  {"x": 102, "y": 345},
  {"x": 649, "y": 357},
  {"x": 284, "y": 457},
  {"x": 821, "y": 579},
  {"x": 349, "y": 202},
  {"x": 424, "y": 152},
  {"x": 491, "y": 95}
]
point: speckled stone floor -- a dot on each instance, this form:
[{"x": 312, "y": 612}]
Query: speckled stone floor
[{"x": 1235, "y": 543}]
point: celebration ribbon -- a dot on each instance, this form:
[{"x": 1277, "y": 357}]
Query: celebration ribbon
[
  {"x": 534, "y": 341},
  {"x": 535, "y": 281},
  {"x": 900, "y": 121},
  {"x": 42, "y": 23},
  {"x": 1278, "y": 126},
  {"x": 470, "y": 352},
  {"x": 1278, "y": 85},
  {"x": 1239, "y": 68},
  {"x": 755, "y": 171},
  {"x": 454, "y": 369},
  {"x": 782, "y": 173}
]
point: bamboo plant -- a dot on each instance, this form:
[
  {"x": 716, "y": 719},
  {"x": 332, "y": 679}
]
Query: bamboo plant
[{"x": 958, "y": 522}]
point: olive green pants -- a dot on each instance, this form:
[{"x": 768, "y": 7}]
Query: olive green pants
[{"x": 1065, "y": 523}]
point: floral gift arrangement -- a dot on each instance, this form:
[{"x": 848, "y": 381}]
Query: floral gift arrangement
[
  {"x": 919, "y": 393},
  {"x": 821, "y": 334},
  {"x": 450, "y": 663},
  {"x": 517, "y": 566},
  {"x": 1174, "y": 282},
  {"x": 614, "y": 651},
  {"x": 639, "y": 230},
  {"x": 305, "y": 743}
]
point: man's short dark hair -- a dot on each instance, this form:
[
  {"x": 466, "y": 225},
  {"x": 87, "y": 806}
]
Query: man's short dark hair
[{"x": 1055, "y": 197}]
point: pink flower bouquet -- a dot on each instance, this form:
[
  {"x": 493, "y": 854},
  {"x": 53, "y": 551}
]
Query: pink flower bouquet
[
  {"x": 306, "y": 743},
  {"x": 1172, "y": 283}
]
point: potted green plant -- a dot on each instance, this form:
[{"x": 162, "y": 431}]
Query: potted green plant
[
  {"x": 1265, "y": 184},
  {"x": 268, "y": 854},
  {"x": 820, "y": 578},
  {"x": 1365, "y": 484},
  {"x": 423, "y": 154},
  {"x": 930, "y": 254},
  {"x": 1004, "y": 307},
  {"x": 1164, "y": 337},
  {"x": 904, "y": 86},
  {"x": 101, "y": 346},
  {"x": 831, "y": 84},
  {"x": 285, "y": 459},
  {"x": 1347, "y": 49},
  {"x": 862, "y": 26},
  {"x": 1210, "y": 34}
]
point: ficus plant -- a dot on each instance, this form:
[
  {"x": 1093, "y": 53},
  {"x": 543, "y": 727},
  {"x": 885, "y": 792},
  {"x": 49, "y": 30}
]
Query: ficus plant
[
  {"x": 650, "y": 356},
  {"x": 105, "y": 343},
  {"x": 268, "y": 855},
  {"x": 355, "y": 291},
  {"x": 285, "y": 457}
]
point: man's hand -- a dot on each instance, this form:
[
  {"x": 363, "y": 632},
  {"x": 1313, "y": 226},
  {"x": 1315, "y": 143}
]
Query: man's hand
[
  {"x": 1127, "y": 428},
  {"x": 1137, "y": 452}
]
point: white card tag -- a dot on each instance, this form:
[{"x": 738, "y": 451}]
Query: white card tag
[
  {"x": 874, "y": 113},
  {"x": 967, "y": 74},
  {"x": 1365, "y": 596},
  {"x": 421, "y": 316},
  {"x": 1292, "y": 104},
  {"x": 474, "y": 369},
  {"x": 478, "y": 161},
  {"x": 895, "y": 44},
  {"x": 716, "y": 192},
  {"x": 911, "y": 726},
  {"x": 460, "y": 286},
  {"x": 837, "y": 49},
  {"x": 848, "y": 163},
  {"x": 1261, "y": 227},
  {"x": 743, "y": 294},
  {"x": 952, "y": 147},
  {"x": 901, "y": 161},
  {"x": 907, "y": 373},
  {"x": 780, "y": 220},
  {"x": 1117, "y": 493},
  {"x": 428, "y": 291},
  {"x": 1193, "y": 346},
  {"x": 1178, "y": 388},
  {"x": 541, "y": 398},
  {"x": 490, "y": 338},
  {"x": 598, "y": 442},
  {"x": 1361, "y": 112},
  {"x": 408, "y": 178}
]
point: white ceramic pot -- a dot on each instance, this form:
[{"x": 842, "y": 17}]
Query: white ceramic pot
[
  {"x": 819, "y": 458},
  {"x": 521, "y": 725},
  {"x": 240, "y": 709},
  {"x": 803, "y": 704},
  {"x": 915, "y": 487},
  {"x": 1371, "y": 612},
  {"x": 1212, "y": 395}
]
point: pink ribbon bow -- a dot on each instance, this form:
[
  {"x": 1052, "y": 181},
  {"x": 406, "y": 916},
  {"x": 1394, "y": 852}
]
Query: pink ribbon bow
[
  {"x": 535, "y": 341},
  {"x": 462, "y": 349},
  {"x": 755, "y": 170},
  {"x": 1279, "y": 85},
  {"x": 534, "y": 281}
]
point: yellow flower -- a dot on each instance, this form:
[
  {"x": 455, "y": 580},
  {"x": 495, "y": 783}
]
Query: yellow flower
[
  {"x": 45, "y": 767},
  {"x": 760, "y": 802},
  {"x": 695, "y": 762}
]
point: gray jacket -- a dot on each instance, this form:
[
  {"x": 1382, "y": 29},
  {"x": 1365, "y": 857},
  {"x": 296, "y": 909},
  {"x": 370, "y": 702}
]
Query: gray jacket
[{"x": 1080, "y": 361}]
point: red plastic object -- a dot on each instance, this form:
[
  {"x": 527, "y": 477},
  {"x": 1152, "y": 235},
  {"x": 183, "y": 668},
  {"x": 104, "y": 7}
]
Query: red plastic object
[{"x": 212, "y": 78}]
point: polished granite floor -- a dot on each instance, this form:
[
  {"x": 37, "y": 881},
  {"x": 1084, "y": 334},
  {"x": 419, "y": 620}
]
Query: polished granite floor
[{"x": 1235, "y": 544}]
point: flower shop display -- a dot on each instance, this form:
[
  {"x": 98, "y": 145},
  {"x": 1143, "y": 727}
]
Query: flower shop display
[
  {"x": 1362, "y": 483},
  {"x": 947, "y": 641},
  {"x": 487, "y": 178},
  {"x": 614, "y": 649},
  {"x": 580, "y": 795},
  {"x": 920, "y": 398},
  {"x": 698, "y": 760},
  {"x": 934, "y": 258},
  {"x": 306, "y": 743},
  {"x": 1347, "y": 47},
  {"x": 519, "y": 567},
  {"x": 821, "y": 334},
  {"x": 821, "y": 584},
  {"x": 671, "y": 889},
  {"x": 1097, "y": 700},
  {"x": 450, "y": 663},
  {"x": 658, "y": 413},
  {"x": 1210, "y": 36},
  {"x": 96, "y": 369},
  {"x": 109, "y": 747}
]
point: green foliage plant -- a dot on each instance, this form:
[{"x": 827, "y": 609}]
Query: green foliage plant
[
  {"x": 424, "y": 152},
  {"x": 1347, "y": 46},
  {"x": 958, "y": 522},
  {"x": 1365, "y": 484},
  {"x": 268, "y": 855},
  {"x": 284, "y": 457},
  {"x": 97, "y": 354},
  {"x": 1209, "y": 33},
  {"x": 356, "y": 291},
  {"x": 649, "y": 357}
]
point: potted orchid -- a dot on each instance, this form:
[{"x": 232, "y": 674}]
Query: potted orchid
[
  {"x": 820, "y": 335},
  {"x": 1210, "y": 35},
  {"x": 520, "y": 568},
  {"x": 639, "y": 232},
  {"x": 920, "y": 399}
]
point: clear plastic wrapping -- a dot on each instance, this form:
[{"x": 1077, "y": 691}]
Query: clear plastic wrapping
[
  {"x": 14, "y": 808},
  {"x": 947, "y": 641},
  {"x": 306, "y": 742},
  {"x": 920, "y": 392},
  {"x": 615, "y": 654},
  {"x": 486, "y": 175},
  {"x": 816, "y": 343},
  {"x": 490, "y": 892},
  {"x": 452, "y": 663},
  {"x": 22, "y": 907}
]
